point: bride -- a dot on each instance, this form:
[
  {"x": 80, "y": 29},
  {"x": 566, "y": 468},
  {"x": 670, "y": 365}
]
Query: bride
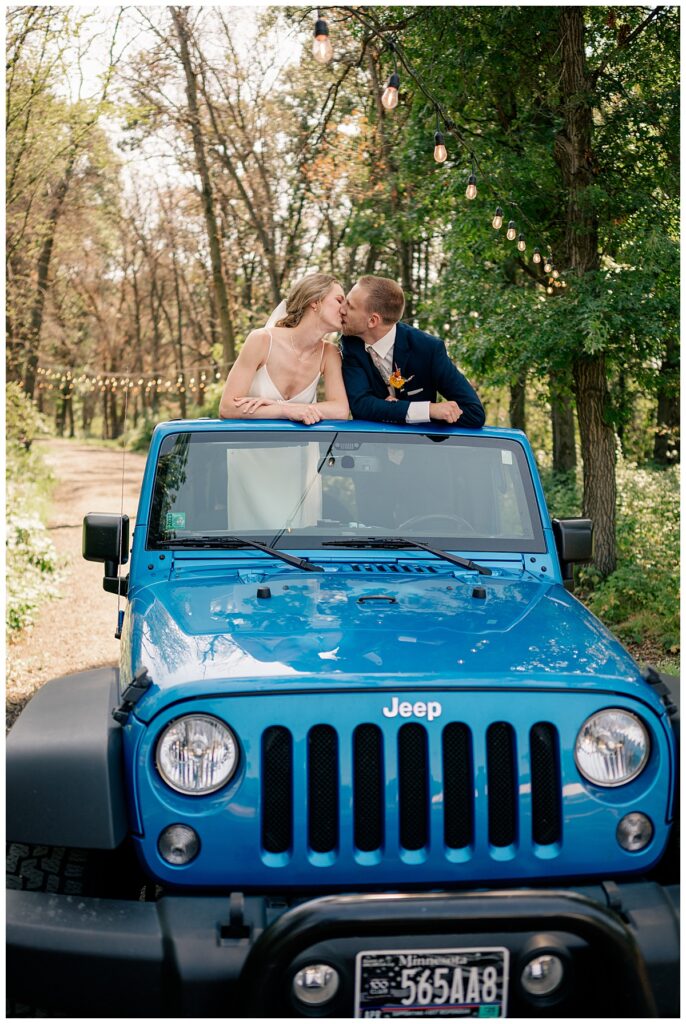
[{"x": 278, "y": 368}]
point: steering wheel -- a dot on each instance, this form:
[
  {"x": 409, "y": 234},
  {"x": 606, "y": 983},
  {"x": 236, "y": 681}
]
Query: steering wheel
[{"x": 445, "y": 517}]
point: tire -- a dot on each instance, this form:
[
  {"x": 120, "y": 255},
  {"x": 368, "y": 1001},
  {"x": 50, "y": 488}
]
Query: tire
[
  {"x": 72, "y": 872},
  {"x": 64, "y": 870},
  {"x": 53, "y": 869}
]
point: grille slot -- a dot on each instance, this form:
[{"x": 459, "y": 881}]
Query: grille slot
[
  {"x": 368, "y": 806},
  {"x": 545, "y": 784},
  {"x": 413, "y": 786},
  {"x": 392, "y": 567},
  {"x": 502, "y": 781},
  {"x": 277, "y": 789},
  {"x": 458, "y": 822},
  {"x": 322, "y": 788}
]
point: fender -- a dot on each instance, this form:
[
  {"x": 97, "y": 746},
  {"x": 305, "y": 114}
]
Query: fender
[{"x": 65, "y": 784}]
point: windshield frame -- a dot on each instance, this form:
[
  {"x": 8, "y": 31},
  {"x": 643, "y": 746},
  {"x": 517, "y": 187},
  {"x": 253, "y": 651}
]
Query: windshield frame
[{"x": 348, "y": 439}]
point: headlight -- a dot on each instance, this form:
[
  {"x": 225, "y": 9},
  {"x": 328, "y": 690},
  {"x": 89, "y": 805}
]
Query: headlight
[
  {"x": 197, "y": 754},
  {"x": 612, "y": 747}
]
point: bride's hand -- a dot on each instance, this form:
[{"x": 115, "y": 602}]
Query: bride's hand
[
  {"x": 249, "y": 404},
  {"x": 302, "y": 413}
]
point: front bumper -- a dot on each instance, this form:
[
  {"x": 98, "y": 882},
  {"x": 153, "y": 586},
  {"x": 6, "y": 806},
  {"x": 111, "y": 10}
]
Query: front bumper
[{"x": 236, "y": 956}]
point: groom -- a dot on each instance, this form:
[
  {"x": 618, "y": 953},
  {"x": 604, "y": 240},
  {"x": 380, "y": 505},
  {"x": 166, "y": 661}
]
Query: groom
[{"x": 393, "y": 372}]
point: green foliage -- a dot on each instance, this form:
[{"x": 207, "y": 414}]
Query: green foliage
[
  {"x": 640, "y": 600},
  {"x": 31, "y": 560},
  {"x": 31, "y": 568},
  {"x": 22, "y": 420},
  {"x": 210, "y": 407},
  {"x": 138, "y": 439}
]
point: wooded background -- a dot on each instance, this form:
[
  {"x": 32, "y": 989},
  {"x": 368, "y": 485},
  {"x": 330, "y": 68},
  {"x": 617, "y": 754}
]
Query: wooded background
[{"x": 171, "y": 171}]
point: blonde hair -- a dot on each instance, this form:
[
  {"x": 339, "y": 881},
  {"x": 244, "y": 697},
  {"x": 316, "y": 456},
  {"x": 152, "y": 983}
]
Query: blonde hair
[
  {"x": 384, "y": 297},
  {"x": 312, "y": 288}
]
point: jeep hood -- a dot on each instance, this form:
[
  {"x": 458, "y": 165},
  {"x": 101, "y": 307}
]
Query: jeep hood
[{"x": 213, "y": 634}]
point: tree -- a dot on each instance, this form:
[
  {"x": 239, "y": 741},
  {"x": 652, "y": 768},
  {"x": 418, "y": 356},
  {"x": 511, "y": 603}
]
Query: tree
[{"x": 537, "y": 101}]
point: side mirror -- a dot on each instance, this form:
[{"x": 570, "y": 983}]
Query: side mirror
[
  {"x": 574, "y": 543},
  {"x": 106, "y": 539}
]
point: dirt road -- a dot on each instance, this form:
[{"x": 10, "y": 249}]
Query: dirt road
[{"x": 75, "y": 629}]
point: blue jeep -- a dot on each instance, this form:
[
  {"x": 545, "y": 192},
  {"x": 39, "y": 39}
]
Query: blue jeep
[{"x": 364, "y": 756}]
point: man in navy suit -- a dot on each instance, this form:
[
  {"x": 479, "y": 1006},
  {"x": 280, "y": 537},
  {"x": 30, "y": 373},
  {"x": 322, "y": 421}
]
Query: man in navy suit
[{"x": 394, "y": 372}]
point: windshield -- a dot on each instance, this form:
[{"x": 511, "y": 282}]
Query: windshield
[{"x": 299, "y": 490}]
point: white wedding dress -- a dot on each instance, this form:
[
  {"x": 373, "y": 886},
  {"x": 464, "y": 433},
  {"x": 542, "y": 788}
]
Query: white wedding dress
[{"x": 276, "y": 486}]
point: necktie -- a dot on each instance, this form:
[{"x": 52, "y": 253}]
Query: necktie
[{"x": 376, "y": 359}]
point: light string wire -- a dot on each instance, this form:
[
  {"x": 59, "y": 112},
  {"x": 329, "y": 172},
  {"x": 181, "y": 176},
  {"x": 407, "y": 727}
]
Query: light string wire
[{"x": 379, "y": 32}]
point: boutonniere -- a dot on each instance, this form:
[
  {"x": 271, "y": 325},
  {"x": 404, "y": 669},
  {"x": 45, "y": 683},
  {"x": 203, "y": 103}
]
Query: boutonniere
[{"x": 397, "y": 381}]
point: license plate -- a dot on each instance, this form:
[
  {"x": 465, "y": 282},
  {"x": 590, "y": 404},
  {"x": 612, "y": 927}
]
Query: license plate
[{"x": 432, "y": 982}]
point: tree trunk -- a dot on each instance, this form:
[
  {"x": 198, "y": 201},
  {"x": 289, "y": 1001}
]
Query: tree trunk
[
  {"x": 598, "y": 454},
  {"x": 518, "y": 405},
  {"x": 562, "y": 419},
  {"x": 219, "y": 284},
  {"x": 32, "y": 339},
  {"x": 573, "y": 153},
  {"x": 666, "y": 447}
]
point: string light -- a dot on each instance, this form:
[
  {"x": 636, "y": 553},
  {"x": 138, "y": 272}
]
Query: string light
[
  {"x": 556, "y": 273},
  {"x": 322, "y": 50},
  {"x": 440, "y": 152},
  {"x": 548, "y": 265},
  {"x": 390, "y": 94},
  {"x": 389, "y": 100}
]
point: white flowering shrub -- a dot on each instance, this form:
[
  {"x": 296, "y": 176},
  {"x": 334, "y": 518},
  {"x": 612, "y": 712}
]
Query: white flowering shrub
[
  {"x": 31, "y": 559},
  {"x": 31, "y": 567}
]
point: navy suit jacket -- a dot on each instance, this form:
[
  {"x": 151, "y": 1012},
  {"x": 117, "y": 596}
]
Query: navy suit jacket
[{"x": 417, "y": 355}]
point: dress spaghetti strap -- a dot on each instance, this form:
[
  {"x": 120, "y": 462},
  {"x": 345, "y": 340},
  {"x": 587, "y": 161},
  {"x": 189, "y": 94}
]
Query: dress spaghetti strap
[
  {"x": 269, "y": 350},
  {"x": 321, "y": 361}
]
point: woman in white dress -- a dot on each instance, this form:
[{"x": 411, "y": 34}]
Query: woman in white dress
[
  {"x": 278, "y": 368},
  {"x": 275, "y": 377}
]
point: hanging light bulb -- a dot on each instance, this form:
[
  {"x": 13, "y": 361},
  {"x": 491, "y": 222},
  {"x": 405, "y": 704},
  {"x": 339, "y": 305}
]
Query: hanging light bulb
[
  {"x": 321, "y": 47},
  {"x": 440, "y": 152},
  {"x": 471, "y": 187},
  {"x": 521, "y": 243},
  {"x": 511, "y": 231},
  {"x": 563, "y": 283},
  {"x": 497, "y": 221},
  {"x": 390, "y": 94},
  {"x": 548, "y": 265},
  {"x": 549, "y": 290},
  {"x": 556, "y": 273},
  {"x": 537, "y": 255}
]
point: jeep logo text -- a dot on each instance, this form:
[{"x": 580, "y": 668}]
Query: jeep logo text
[{"x": 420, "y": 709}]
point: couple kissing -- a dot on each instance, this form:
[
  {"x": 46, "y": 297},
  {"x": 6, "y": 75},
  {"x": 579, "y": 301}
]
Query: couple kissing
[{"x": 385, "y": 370}]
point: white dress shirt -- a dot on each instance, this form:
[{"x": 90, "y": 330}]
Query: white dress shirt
[{"x": 381, "y": 354}]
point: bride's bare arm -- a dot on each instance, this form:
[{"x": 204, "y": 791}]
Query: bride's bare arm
[
  {"x": 335, "y": 404},
  {"x": 240, "y": 378}
]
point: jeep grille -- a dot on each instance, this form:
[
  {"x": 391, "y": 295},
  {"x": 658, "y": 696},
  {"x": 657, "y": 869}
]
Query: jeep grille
[{"x": 374, "y": 755}]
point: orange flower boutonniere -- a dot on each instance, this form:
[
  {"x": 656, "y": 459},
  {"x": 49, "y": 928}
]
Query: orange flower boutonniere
[{"x": 397, "y": 381}]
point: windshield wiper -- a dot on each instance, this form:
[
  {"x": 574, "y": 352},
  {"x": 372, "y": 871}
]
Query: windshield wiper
[
  {"x": 221, "y": 541},
  {"x": 405, "y": 542}
]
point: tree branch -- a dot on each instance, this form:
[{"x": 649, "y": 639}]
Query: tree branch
[{"x": 595, "y": 75}]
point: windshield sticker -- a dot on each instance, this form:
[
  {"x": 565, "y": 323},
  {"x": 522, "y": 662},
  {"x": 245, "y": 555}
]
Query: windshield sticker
[
  {"x": 175, "y": 521},
  {"x": 506, "y": 456}
]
